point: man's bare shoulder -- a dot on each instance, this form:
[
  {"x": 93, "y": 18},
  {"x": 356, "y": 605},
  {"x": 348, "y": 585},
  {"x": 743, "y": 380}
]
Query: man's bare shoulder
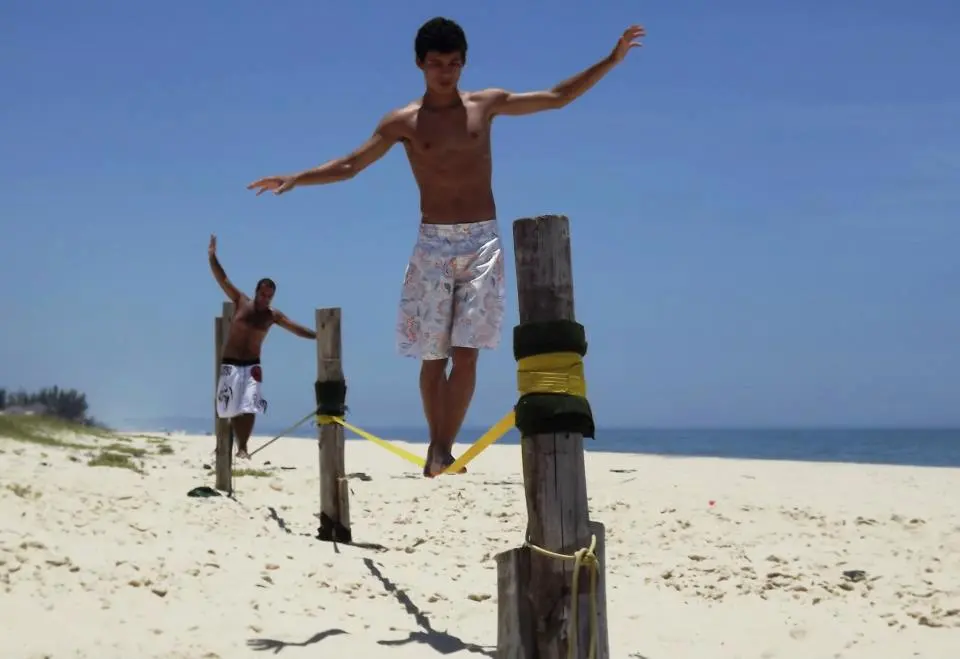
[
  {"x": 488, "y": 100},
  {"x": 487, "y": 96},
  {"x": 396, "y": 122}
]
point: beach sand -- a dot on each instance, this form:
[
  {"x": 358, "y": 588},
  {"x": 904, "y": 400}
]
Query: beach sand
[{"x": 706, "y": 558}]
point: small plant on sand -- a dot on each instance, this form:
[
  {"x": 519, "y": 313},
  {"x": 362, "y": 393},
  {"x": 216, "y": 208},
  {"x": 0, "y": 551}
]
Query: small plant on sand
[
  {"x": 254, "y": 473},
  {"x": 164, "y": 449},
  {"x": 150, "y": 439},
  {"x": 23, "y": 491},
  {"x": 117, "y": 460},
  {"x": 134, "y": 451}
]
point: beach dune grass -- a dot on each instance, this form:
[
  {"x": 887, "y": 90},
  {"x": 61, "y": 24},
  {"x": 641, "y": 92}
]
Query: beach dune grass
[
  {"x": 49, "y": 431},
  {"x": 133, "y": 451},
  {"x": 116, "y": 451},
  {"x": 107, "y": 458}
]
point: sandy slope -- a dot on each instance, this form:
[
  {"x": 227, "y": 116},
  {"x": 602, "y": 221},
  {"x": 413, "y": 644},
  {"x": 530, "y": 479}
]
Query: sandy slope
[{"x": 104, "y": 562}]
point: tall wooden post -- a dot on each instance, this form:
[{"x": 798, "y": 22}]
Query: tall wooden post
[
  {"x": 222, "y": 427},
  {"x": 534, "y": 590},
  {"x": 334, "y": 487},
  {"x": 217, "y": 349}
]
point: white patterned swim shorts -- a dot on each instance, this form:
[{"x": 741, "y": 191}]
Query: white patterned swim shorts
[
  {"x": 239, "y": 388},
  {"x": 453, "y": 290}
]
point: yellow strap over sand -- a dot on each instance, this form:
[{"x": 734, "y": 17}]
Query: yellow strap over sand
[
  {"x": 498, "y": 430},
  {"x": 551, "y": 373},
  {"x": 396, "y": 450}
]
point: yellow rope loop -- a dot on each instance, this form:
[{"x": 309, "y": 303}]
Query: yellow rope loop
[
  {"x": 552, "y": 373},
  {"x": 326, "y": 420},
  {"x": 581, "y": 558}
]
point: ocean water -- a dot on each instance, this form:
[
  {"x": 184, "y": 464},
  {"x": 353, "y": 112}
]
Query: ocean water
[{"x": 927, "y": 447}]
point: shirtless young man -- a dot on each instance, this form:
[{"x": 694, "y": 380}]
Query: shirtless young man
[
  {"x": 238, "y": 387},
  {"x": 452, "y": 299}
]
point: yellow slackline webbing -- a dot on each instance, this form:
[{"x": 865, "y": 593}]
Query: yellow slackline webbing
[
  {"x": 550, "y": 373},
  {"x": 582, "y": 558},
  {"x": 396, "y": 450},
  {"x": 498, "y": 430}
]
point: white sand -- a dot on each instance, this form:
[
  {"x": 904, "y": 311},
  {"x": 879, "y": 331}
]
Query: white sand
[{"x": 103, "y": 562}]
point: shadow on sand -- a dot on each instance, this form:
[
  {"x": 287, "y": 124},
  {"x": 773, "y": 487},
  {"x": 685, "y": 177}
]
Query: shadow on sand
[
  {"x": 266, "y": 644},
  {"x": 439, "y": 642}
]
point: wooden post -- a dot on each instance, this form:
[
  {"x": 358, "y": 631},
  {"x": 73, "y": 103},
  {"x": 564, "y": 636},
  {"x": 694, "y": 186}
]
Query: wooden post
[
  {"x": 334, "y": 487},
  {"x": 222, "y": 427},
  {"x": 217, "y": 334},
  {"x": 534, "y": 590}
]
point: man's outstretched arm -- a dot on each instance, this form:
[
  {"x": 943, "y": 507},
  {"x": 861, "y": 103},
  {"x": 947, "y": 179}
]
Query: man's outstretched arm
[
  {"x": 339, "y": 169},
  {"x": 280, "y": 319},
  {"x": 515, "y": 104},
  {"x": 232, "y": 291}
]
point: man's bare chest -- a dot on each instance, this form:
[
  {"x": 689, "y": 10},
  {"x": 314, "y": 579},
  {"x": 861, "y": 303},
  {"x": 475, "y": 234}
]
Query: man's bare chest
[
  {"x": 253, "y": 319},
  {"x": 437, "y": 135}
]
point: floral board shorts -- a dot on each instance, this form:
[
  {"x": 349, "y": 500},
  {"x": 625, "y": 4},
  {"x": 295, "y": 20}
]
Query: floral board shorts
[{"x": 453, "y": 290}]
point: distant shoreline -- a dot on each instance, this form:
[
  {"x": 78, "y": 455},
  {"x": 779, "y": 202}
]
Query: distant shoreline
[{"x": 918, "y": 447}]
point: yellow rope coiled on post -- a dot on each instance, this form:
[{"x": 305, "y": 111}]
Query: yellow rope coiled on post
[
  {"x": 582, "y": 558},
  {"x": 552, "y": 373}
]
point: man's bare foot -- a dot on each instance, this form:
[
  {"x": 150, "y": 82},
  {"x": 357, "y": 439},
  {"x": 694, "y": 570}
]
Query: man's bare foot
[
  {"x": 439, "y": 459},
  {"x": 432, "y": 466},
  {"x": 448, "y": 460},
  {"x": 242, "y": 454}
]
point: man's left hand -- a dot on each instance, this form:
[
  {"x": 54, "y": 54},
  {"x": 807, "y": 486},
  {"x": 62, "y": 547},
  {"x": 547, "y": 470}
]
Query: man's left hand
[{"x": 628, "y": 41}]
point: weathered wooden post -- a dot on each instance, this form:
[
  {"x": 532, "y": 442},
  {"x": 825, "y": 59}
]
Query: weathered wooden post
[
  {"x": 331, "y": 390},
  {"x": 222, "y": 427},
  {"x": 534, "y": 590},
  {"x": 217, "y": 349}
]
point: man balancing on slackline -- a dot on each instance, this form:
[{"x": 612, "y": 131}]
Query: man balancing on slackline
[
  {"x": 452, "y": 299},
  {"x": 239, "y": 395}
]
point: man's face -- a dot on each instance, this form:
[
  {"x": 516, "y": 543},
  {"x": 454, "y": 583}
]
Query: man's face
[
  {"x": 441, "y": 71},
  {"x": 264, "y": 296}
]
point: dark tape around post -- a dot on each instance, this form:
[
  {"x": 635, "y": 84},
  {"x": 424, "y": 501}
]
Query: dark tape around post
[
  {"x": 331, "y": 397},
  {"x": 331, "y": 408},
  {"x": 550, "y": 378}
]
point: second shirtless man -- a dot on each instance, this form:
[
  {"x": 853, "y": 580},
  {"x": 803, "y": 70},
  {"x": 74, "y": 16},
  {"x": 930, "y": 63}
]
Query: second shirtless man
[
  {"x": 452, "y": 298},
  {"x": 239, "y": 396}
]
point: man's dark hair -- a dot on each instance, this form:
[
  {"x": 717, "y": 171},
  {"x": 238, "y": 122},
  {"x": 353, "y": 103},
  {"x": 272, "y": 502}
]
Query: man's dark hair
[
  {"x": 440, "y": 35},
  {"x": 266, "y": 281}
]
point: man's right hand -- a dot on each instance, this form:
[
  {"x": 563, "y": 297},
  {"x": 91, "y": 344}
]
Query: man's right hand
[{"x": 277, "y": 184}]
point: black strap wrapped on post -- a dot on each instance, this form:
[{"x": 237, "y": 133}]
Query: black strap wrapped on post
[
  {"x": 331, "y": 397},
  {"x": 550, "y": 378}
]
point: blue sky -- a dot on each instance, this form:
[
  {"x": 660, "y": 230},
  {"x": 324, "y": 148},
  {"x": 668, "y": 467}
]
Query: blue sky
[{"x": 764, "y": 200}]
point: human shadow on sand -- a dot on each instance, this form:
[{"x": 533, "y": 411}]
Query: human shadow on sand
[
  {"x": 265, "y": 644},
  {"x": 439, "y": 642}
]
